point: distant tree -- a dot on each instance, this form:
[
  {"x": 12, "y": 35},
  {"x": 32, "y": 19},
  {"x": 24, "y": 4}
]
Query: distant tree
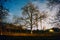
[
  {"x": 15, "y": 18},
  {"x": 19, "y": 20},
  {"x": 3, "y": 10},
  {"x": 3, "y": 13}
]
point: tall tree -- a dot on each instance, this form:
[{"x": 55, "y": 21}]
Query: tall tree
[{"x": 29, "y": 10}]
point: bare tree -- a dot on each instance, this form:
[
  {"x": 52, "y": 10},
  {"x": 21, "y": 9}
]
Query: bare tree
[
  {"x": 3, "y": 13},
  {"x": 55, "y": 3},
  {"x": 42, "y": 16},
  {"x": 29, "y": 10},
  {"x": 3, "y": 10}
]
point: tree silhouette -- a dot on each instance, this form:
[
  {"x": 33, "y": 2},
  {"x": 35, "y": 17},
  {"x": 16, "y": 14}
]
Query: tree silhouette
[
  {"x": 42, "y": 17},
  {"x": 54, "y": 3},
  {"x": 29, "y": 10},
  {"x": 3, "y": 14},
  {"x": 51, "y": 2},
  {"x": 3, "y": 10}
]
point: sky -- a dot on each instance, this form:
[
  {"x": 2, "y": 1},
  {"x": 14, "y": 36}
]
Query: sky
[{"x": 15, "y": 6}]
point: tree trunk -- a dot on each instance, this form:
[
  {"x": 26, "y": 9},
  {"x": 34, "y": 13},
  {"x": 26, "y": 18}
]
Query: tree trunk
[{"x": 31, "y": 23}]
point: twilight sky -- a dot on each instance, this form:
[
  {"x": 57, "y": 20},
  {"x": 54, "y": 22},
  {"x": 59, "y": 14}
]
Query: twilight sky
[{"x": 15, "y": 6}]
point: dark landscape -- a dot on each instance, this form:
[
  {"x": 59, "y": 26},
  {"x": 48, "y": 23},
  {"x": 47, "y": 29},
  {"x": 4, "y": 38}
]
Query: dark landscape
[{"x": 29, "y": 19}]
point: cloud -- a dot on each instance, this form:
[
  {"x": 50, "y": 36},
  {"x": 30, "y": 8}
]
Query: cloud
[{"x": 9, "y": 18}]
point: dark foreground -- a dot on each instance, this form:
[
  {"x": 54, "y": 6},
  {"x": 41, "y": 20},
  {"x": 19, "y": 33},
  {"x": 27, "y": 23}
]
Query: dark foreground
[
  {"x": 43, "y": 35},
  {"x": 29, "y": 38}
]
